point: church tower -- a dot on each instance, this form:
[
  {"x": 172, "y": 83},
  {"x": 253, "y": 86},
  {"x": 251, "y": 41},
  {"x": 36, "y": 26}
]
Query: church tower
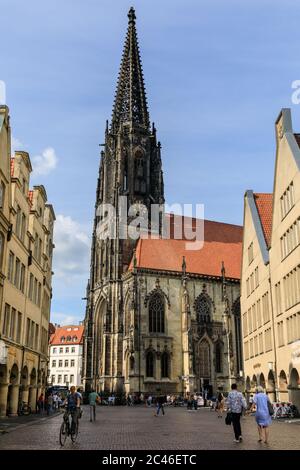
[{"x": 131, "y": 170}]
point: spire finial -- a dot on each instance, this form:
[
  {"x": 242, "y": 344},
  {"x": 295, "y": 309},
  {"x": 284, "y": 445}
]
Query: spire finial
[{"x": 131, "y": 15}]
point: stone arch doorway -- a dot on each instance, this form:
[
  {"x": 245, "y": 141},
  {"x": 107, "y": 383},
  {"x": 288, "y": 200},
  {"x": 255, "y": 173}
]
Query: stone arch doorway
[
  {"x": 24, "y": 388},
  {"x": 32, "y": 398},
  {"x": 262, "y": 381},
  {"x": 294, "y": 387},
  {"x": 203, "y": 367},
  {"x": 13, "y": 391},
  {"x": 3, "y": 389},
  {"x": 283, "y": 386},
  {"x": 248, "y": 384},
  {"x": 102, "y": 324},
  {"x": 253, "y": 383},
  {"x": 271, "y": 386}
]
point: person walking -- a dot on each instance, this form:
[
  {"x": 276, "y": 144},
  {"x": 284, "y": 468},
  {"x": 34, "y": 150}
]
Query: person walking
[
  {"x": 160, "y": 401},
  {"x": 236, "y": 403},
  {"x": 49, "y": 404},
  {"x": 93, "y": 400},
  {"x": 262, "y": 414},
  {"x": 40, "y": 403},
  {"x": 220, "y": 405}
]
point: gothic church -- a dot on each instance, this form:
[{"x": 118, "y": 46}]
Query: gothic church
[{"x": 159, "y": 318}]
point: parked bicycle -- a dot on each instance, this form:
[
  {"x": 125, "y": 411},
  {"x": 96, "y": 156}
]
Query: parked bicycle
[
  {"x": 284, "y": 410},
  {"x": 66, "y": 428},
  {"x": 24, "y": 409}
]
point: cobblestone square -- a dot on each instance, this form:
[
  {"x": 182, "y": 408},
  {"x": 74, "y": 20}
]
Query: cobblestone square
[{"x": 126, "y": 428}]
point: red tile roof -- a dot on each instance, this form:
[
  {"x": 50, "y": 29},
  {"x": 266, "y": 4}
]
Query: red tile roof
[
  {"x": 61, "y": 335},
  {"x": 222, "y": 242},
  {"x": 12, "y": 166},
  {"x": 264, "y": 204}
]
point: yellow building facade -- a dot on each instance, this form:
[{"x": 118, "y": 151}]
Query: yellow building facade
[
  {"x": 270, "y": 286},
  {"x": 26, "y": 232}
]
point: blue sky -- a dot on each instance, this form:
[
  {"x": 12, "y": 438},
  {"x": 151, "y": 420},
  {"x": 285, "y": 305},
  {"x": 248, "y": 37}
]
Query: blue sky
[{"x": 217, "y": 74}]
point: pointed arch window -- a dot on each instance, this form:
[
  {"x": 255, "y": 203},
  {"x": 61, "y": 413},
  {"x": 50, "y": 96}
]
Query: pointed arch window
[
  {"x": 219, "y": 362},
  {"x": 203, "y": 309},
  {"x": 204, "y": 359},
  {"x": 165, "y": 365},
  {"x": 156, "y": 314},
  {"x": 149, "y": 364}
]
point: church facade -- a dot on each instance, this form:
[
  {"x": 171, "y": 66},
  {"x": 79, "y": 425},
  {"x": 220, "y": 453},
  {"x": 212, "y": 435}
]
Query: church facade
[{"x": 160, "y": 317}]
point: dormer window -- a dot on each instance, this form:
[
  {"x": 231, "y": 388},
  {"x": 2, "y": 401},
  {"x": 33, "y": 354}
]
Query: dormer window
[{"x": 62, "y": 339}]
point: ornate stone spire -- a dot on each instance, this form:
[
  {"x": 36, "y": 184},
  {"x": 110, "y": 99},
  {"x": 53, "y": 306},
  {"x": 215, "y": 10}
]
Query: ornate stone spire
[{"x": 130, "y": 105}]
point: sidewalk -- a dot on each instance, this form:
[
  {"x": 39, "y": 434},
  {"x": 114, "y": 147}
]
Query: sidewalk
[{"x": 10, "y": 423}]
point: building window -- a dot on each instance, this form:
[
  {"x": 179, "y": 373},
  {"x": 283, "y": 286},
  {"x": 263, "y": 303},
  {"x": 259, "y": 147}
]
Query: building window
[
  {"x": 17, "y": 273},
  {"x": 67, "y": 350},
  {"x": 1, "y": 249},
  {"x": 61, "y": 350},
  {"x": 19, "y": 327},
  {"x": 6, "y": 320},
  {"x": 268, "y": 340},
  {"x": 156, "y": 314},
  {"x": 11, "y": 261},
  {"x": 293, "y": 327},
  {"x": 219, "y": 367},
  {"x": 265, "y": 306},
  {"x": 72, "y": 363},
  {"x": 59, "y": 379},
  {"x": 23, "y": 228},
  {"x": 2, "y": 195},
  {"x": 66, "y": 363},
  {"x": 204, "y": 369},
  {"x": 30, "y": 290},
  {"x": 287, "y": 201},
  {"x": 280, "y": 333},
  {"x": 18, "y": 222},
  {"x": 165, "y": 365},
  {"x": 60, "y": 363},
  {"x": 71, "y": 379},
  {"x": 65, "y": 379},
  {"x": 54, "y": 350},
  {"x": 203, "y": 309},
  {"x": 53, "y": 363},
  {"x": 12, "y": 323},
  {"x": 22, "y": 278},
  {"x": 149, "y": 364},
  {"x": 250, "y": 253},
  {"x": 73, "y": 349}
]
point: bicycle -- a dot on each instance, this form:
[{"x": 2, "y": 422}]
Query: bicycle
[
  {"x": 24, "y": 409},
  {"x": 66, "y": 428}
]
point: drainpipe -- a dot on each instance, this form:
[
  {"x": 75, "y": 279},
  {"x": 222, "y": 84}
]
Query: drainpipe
[{"x": 274, "y": 337}]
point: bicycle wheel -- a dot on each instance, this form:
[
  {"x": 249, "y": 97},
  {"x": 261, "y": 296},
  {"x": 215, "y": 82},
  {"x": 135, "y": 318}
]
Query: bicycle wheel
[
  {"x": 26, "y": 410},
  {"x": 63, "y": 433}
]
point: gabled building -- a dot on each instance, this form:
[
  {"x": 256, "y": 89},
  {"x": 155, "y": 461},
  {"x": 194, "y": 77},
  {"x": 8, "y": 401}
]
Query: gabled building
[
  {"x": 65, "y": 358},
  {"x": 270, "y": 288},
  {"x": 26, "y": 247}
]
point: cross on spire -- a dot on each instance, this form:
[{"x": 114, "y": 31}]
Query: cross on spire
[{"x": 130, "y": 104}]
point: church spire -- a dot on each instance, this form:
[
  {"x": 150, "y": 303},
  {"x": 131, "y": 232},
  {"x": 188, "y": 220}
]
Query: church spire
[{"x": 130, "y": 103}]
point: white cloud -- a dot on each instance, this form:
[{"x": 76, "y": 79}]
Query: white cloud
[
  {"x": 72, "y": 250},
  {"x": 65, "y": 319},
  {"x": 16, "y": 144},
  {"x": 45, "y": 163}
]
